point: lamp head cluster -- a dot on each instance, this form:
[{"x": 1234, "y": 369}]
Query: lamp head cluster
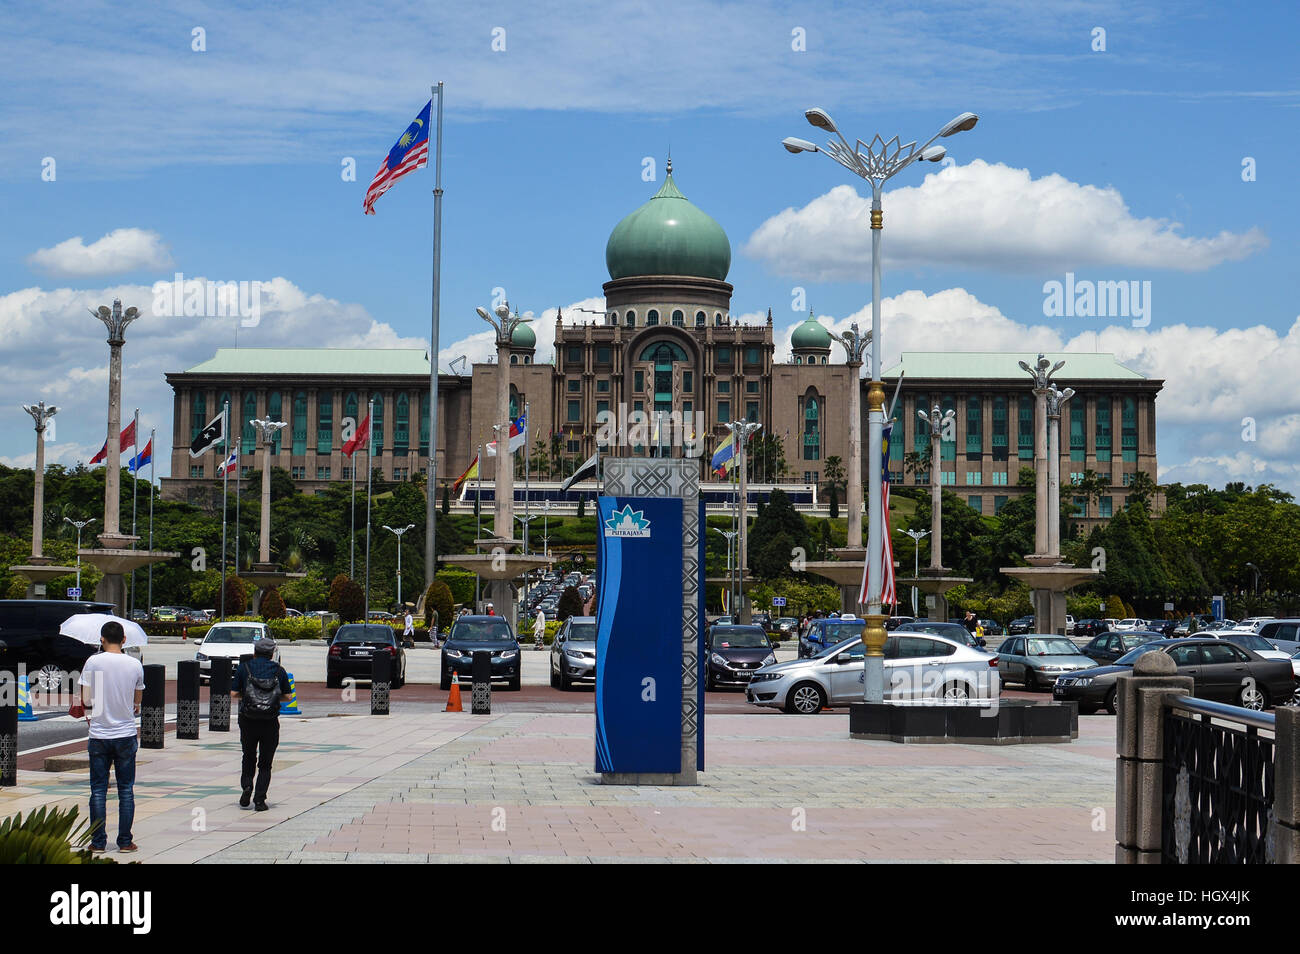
[
  {"x": 1042, "y": 371},
  {"x": 854, "y": 341},
  {"x": 116, "y": 320},
  {"x": 40, "y": 413},
  {"x": 502, "y": 321},
  {"x": 880, "y": 158},
  {"x": 267, "y": 427},
  {"x": 1056, "y": 399}
]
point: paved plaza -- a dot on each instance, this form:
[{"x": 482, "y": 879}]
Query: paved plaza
[{"x": 421, "y": 786}]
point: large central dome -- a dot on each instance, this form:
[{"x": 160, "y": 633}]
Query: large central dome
[{"x": 668, "y": 236}]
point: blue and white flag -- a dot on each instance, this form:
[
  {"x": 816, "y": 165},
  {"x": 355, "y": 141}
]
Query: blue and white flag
[{"x": 228, "y": 465}]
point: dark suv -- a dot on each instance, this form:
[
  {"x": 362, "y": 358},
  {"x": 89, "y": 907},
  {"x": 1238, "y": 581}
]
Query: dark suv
[
  {"x": 824, "y": 633},
  {"x": 29, "y": 637},
  {"x": 490, "y": 634}
]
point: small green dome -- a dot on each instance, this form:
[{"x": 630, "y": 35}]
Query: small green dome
[
  {"x": 810, "y": 334},
  {"x": 523, "y": 337},
  {"x": 668, "y": 236}
]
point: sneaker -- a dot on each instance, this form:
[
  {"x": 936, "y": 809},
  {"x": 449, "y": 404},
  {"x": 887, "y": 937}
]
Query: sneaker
[
  {"x": 98, "y": 851},
  {"x": 129, "y": 848},
  {"x": 261, "y": 807},
  {"x": 246, "y": 799}
]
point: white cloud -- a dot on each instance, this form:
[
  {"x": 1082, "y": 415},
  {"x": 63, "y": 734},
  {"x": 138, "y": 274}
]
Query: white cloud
[
  {"x": 481, "y": 345},
  {"x": 985, "y": 215},
  {"x": 120, "y": 251}
]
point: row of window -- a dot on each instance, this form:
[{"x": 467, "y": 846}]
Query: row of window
[
  {"x": 999, "y": 439},
  {"x": 678, "y": 318},
  {"x": 721, "y": 355},
  {"x": 353, "y": 407}
]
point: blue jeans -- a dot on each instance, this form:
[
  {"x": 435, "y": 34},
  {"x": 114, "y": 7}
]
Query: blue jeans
[{"x": 120, "y": 753}]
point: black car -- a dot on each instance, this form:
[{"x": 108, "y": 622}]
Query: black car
[
  {"x": 1108, "y": 646},
  {"x": 1020, "y": 626},
  {"x": 354, "y": 647},
  {"x": 734, "y": 653},
  {"x": 1220, "y": 672},
  {"x": 894, "y": 622},
  {"x": 30, "y": 638},
  {"x": 490, "y": 634},
  {"x": 1088, "y": 628}
]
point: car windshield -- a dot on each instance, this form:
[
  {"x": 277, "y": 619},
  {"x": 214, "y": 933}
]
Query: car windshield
[
  {"x": 739, "y": 638},
  {"x": 843, "y": 629},
  {"x": 582, "y": 632},
  {"x": 1130, "y": 657},
  {"x": 1052, "y": 647},
  {"x": 233, "y": 634},
  {"x": 364, "y": 633},
  {"x": 480, "y": 630}
]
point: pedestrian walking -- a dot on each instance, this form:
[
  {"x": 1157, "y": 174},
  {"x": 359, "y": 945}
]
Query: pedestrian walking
[
  {"x": 112, "y": 684},
  {"x": 970, "y": 622},
  {"x": 539, "y": 629},
  {"x": 260, "y": 685},
  {"x": 408, "y": 628}
]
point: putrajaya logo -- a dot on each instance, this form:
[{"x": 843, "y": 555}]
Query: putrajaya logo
[{"x": 627, "y": 523}]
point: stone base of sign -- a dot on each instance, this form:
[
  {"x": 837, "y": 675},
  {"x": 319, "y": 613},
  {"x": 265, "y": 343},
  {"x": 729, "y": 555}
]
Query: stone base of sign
[{"x": 993, "y": 722}]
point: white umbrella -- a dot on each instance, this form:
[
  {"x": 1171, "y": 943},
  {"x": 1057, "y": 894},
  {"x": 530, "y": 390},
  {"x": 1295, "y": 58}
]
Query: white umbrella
[{"x": 86, "y": 627}]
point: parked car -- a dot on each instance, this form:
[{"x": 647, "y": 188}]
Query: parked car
[
  {"x": 764, "y": 620},
  {"x": 1088, "y": 628},
  {"x": 822, "y": 634},
  {"x": 954, "y": 631},
  {"x": 1106, "y": 647},
  {"x": 573, "y": 653},
  {"x": 231, "y": 641},
  {"x": 787, "y": 627},
  {"x": 1282, "y": 633},
  {"x": 1127, "y": 625},
  {"x": 991, "y": 627},
  {"x": 917, "y": 666},
  {"x": 1023, "y": 624},
  {"x": 1220, "y": 672},
  {"x": 1036, "y": 660},
  {"x": 1069, "y": 625},
  {"x": 1253, "y": 623},
  {"x": 894, "y": 622},
  {"x": 734, "y": 654},
  {"x": 1253, "y": 641},
  {"x": 353, "y": 648},
  {"x": 29, "y": 637},
  {"x": 490, "y": 634}
]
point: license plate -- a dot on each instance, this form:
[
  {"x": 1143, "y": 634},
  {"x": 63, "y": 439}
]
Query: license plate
[{"x": 362, "y": 652}]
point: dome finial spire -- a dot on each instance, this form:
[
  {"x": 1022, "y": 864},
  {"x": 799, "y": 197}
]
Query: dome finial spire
[{"x": 670, "y": 160}]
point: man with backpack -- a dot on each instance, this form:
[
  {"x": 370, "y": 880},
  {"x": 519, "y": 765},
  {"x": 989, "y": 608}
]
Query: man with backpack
[{"x": 260, "y": 685}]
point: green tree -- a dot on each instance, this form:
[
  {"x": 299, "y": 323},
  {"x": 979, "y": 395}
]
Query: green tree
[
  {"x": 570, "y": 604},
  {"x": 352, "y": 602},
  {"x": 308, "y": 593},
  {"x": 236, "y": 596},
  {"x": 272, "y": 605},
  {"x": 776, "y": 533},
  {"x": 438, "y": 598},
  {"x": 1141, "y": 490},
  {"x": 833, "y": 481}
]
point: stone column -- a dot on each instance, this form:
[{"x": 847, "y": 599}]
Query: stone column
[
  {"x": 936, "y": 488},
  {"x": 1053, "y": 485},
  {"x": 113, "y": 464},
  {"x": 504, "y": 474},
  {"x": 1042, "y": 532},
  {"x": 264, "y": 530}
]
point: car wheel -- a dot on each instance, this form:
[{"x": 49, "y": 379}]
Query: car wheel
[
  {"x": 516, "y": 682},
  {"x": 1253, "y": 696},
  {"x": 48, "y": 678},
  {"x": 806, "y": 698},
  {"x": 555, "y": 679},
  {"x": 565, "y": 682},
  {"x": 1031, "y": 684},
  {"x": 1112, "y": 701},
  {"x": 332, "y": 681},
  {"x": 956, "y": 692}
]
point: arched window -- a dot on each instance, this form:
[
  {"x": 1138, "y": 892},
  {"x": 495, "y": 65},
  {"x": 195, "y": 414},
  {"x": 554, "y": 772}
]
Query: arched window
[
  {"x": 611, "y": 318},
  {"x": 402, "y": 425},
  {"x": 631, "y": 319},
  {"x": 275, "y": 411},
  {"x": 249, "y": 441},
  {"x": 651, "y": 318},
  {"x": 798, "y": 359},
  {"x": 700, "y": 319},
  {"x": 812, "y": 436},
  {"x": 377, "y": 422},
  {"x": 324, "y": 422},
  {"x": 515, "y": 403},
  {"x": 679, "y": 319},
  {"x": 300, "y": 423},
  {"x": 198, "y": 414},
  {"x": 528, "y": 359},
  {"x": 717, "y": 317},
  {"x": 514, "y": 359}
]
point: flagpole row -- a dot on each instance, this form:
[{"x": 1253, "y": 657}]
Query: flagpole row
[
  {"x": 370, "y": 466},
  {"x": 149, "y": 593},
  {"x": 225, "y": 481},
  {"x": 135, "y": 460}
]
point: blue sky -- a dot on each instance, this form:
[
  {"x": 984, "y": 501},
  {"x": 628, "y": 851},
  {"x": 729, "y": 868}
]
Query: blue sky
[{"x": 1123, "y": 164}]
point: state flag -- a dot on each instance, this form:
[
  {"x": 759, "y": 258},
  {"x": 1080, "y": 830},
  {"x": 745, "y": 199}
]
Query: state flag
[
  {"x": 213, "y": 434},
  {"x": 126, "y": 439}
]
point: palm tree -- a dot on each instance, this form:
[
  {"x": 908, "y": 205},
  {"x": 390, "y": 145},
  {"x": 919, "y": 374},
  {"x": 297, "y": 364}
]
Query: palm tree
[{"x": 833, "y": 480}]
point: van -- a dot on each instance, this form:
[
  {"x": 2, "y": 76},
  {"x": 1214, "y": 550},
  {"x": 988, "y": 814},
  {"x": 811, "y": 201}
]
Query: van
[
  {"x": 30, "y": 639},
  {"x": 1282, "y": 633}
]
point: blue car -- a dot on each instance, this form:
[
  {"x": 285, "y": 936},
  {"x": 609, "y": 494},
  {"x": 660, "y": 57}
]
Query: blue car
[{"x": 822, "y": 634}]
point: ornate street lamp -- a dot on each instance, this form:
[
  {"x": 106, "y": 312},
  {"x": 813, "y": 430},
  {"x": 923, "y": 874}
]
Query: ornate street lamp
[
  {"x": 854, "y": 343},
  {"x": 40, "y": 414},
  {"x": 939, "y": 420},
  {"x": 115, "y": 320},
  {"x": 504, "y": 324},
  {"x": 1046, "y": 518},
  {"x": 399, "y": 531}
]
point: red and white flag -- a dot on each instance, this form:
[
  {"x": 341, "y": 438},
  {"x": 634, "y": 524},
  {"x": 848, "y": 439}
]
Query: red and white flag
[
  {"x": 127, "y": 439},
  {"x": 410, "y": 152},
  {"x": 888, "y": 590}
]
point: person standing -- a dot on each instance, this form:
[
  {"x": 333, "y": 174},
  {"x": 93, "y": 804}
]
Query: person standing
[
  {"x": 970, "y": 622},
  {"x": 260, "y": 685},
  {"x": 112, "y": 685},
  {"x": 539, "y": 629},
  {"x": 408, "y": 628}
]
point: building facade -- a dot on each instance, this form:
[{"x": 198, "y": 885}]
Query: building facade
[{"x": 666, "y": 347}]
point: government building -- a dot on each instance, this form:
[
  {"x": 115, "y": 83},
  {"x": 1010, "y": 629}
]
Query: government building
[{"x": 666, "y": 345}]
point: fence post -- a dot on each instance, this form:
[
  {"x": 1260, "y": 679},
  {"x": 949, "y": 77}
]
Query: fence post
[
  {"x": 187, "y": 699},
  {"x": 1140, "y": 751},
  {"x": 219, "y": 677},
  {"x": 1284, "y": 824},
  {"x": 153, "y": 707}
]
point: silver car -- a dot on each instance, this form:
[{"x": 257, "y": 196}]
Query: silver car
[
  {"x": 1036, "y": 659},
  {"x": 573, "y": 653},
  {"x": 917, "y": 666}
]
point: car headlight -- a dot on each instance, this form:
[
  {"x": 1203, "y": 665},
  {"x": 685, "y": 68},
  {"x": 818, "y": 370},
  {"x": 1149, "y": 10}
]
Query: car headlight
[
  {"x": 1053, "y": 668},
  {"x": 717, "y": 660},
  {"x": 1083, "y": 680},
  {"x": 200, "y": 657},
  {"x": 771, "y": 658},
  {"x": 766, "y": 676},
  {"x": 510, "y": 654},
  {"x": 574, "y": 654}
]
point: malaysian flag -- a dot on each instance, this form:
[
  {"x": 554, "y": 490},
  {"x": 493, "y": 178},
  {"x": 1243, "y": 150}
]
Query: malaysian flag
[
  {"x": 888, "y": 592},
  {"x": 410, "y": 152}
]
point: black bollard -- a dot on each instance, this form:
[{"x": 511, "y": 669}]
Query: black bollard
[
  {"x": 381, "y": 675},
  {"x": 9, "y": 728},
  {"x": 153, "y": 707},
  {"x": 481, "y": 675},
  {"x": 219, "y": 696},
  {"x": 187, "y": 699}
]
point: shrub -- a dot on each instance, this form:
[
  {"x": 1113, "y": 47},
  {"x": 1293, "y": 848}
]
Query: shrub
[
  {"x": 336, "y": 590},
  {"x": 236, "y": 596},
  {"x": 438, "y": 597},
  {"x": 294, "y": 627},
  {"x": 352, "y": 602},
  {"x": 461, "y": 583},
  {"x": 48, "y": 836},
  {"x": 272, "y": 606},
  {"x": 570, "y": 604}
]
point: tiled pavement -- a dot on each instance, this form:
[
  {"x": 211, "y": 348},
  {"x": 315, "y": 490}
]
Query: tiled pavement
[{"x": 418, "y": 787}]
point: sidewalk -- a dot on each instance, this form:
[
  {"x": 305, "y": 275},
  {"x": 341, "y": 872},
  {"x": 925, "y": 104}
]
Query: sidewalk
[{"x": 419, "y": 787}]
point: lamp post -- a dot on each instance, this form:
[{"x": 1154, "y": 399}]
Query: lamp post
[
  {"x": 742, "y": 430},
  {"x": 1256, "y": 570},
  {"x": 399, "y": 532},
  {"x": 504, "y": 324},
  {"x": 854, "y": 343},
  {"x": 40, "y": 414},
  {"x": 939, "y": 420},
  {"x": 731, "y": 592},
  {"x": 546, "y": 528},
  {"x": 1055, "y": 402},
  {"x": 876, "y": 163},
  {"x": 917, "y": 536},
  {"x": 1041, "y": 374},
  {"x": 79, "y": 524},
  {"x": 115, "y": 320}
]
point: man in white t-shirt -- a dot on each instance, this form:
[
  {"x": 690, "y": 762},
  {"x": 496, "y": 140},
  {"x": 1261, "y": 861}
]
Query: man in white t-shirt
[{"x": 112, "y": 684}]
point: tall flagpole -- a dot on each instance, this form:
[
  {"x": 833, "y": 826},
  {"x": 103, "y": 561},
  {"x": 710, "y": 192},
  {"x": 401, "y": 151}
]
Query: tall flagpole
[
  {"x": 527, "y": 495},
  {"x": 149, "y": 595},
  {"x": 225, "y": 481},
  {"x": 431, "y": 484},
  {"x": 239, "y": 448},
  {"x": 370, "y": 466},
  {"x": 352, "y": 536},
  {"x": 135, "y": 467},
  {"x": 478, "y": 517}
]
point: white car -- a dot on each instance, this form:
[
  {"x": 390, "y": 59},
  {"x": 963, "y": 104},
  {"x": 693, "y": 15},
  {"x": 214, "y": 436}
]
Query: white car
[
  {"x": 917, "y": 666},
  {"x": 1252, "y": 623},
  {"x": 1128, "y": 625},
  {"x": 1252, "y": 641},
  {"x": 229, "y": 641},
  {"x": 1069, "y": 626}
]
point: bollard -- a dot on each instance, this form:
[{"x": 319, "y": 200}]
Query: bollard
[
  {"x": 381, "y": 673},
  {"x": 481, "y": 691},
  {"x": 25, "y": 713},
  {"x": 187, "y": 699},
  {"x": 8, "y": 728},
  {"x": 290, "y": 708},
  {"x": 153, "y": 707},
  {"x": 219, "y": 696}
]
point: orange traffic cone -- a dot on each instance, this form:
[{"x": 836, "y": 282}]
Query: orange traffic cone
[
  {"x": 453, "y": 699},
  {"x": 185, "y": 632}
]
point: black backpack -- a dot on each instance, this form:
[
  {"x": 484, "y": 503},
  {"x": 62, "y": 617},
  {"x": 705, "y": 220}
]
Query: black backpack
[{"x": 261, "y": 697}]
